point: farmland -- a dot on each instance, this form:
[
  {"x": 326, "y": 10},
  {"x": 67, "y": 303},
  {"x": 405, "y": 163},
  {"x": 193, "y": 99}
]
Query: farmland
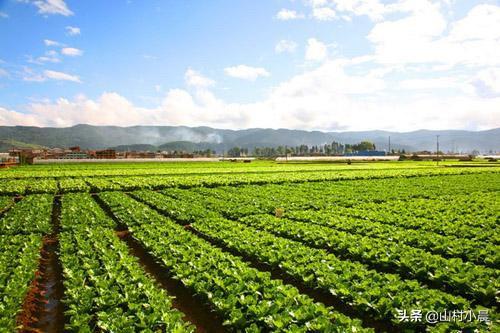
[{"x": 259, "y": 247}]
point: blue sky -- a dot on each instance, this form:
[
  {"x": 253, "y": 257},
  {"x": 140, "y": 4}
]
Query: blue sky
[{"x": 308, "y": 64}]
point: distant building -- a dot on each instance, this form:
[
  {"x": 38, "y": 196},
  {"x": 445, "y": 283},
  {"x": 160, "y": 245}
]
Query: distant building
[
  {"x": 105, "y": 154},
  {"x": 76, "y": 155}
]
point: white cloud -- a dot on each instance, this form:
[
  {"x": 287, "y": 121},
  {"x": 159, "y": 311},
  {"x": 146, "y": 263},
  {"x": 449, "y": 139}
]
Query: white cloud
[
  {"x": 327, "y": 9},
  {"x": 61, "y": 76},
  {"x": 326, "y": 98},
  {"x": 4, "y": 15},
  {"x": 324, "y": 14},
  {"x": 288, "y": 14},
  {"x": 393, "y": 88},
  {"x": 246, "y": 72},
  {"x": 3, "y": 73},
  {"x": 71, "y": 51},
  {"x": 52, "y": 7},
  {"x": 285, "y": 46},
  {"x": 316, "y": 50},
  {"x": 482, "y": 22},
  {"x": 195, "y": 79},
  {"x": 31, "y": 76},
  {"x": 487, "y": 83},
  {"x": 72, "y": 31},
  {"x": 49, "y": 42},
  {"x": 420, "y": 37},
  {"x": 50, "y": 56}
]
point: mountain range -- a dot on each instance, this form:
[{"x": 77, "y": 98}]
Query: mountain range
[{"x": 200, "y": 138}]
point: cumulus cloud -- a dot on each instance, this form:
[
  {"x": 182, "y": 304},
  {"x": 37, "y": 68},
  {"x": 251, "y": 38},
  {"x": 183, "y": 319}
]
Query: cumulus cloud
[
  {"x": 284, "y": 45},
  {"x": 316, "y": 50},
  {"x": 245, "y": 72},
  {"x": 396, "y": 87},
  {"x": 324, "y": 14},
  {"x": 288, "y": 14},
  {"x": 49, "y": 42},
  {"x": 71, "y": 51},
  {"x": 421, "y": 36},
  {"x": 481, "y": 23},
  {"x": 72, "y": 31},
  {"x": 330, "y": 97},
  {"x": 195, "y": 79},
  {"x": 51, "y": 7}
]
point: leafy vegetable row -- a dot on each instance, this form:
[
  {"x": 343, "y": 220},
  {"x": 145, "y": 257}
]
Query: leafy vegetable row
[
  {"x": 30, "y": 215},
  {"x": 148, "y": 169},
  {"x": 246, "y": 298},
  {"x": 50, "y": 185},
  {"x": 392, "y": 193},
  {"x": 478, "y": 283},
  {"x": 296, "y": 256},
  {"x": 5, "y": 203},
  {"x": 479, "y": 252},
  {"x": 441, "y": 227},
  {"x": 367, "y": 291},
  {"x": 476, "y": 209},
  {"x": 67, "y": 185},
  {"x": 234, "y": 206},
  {"x": 472, "y": 281},
  {"x": 19, "y": 256},
  {"x": 105, "y": 288}
]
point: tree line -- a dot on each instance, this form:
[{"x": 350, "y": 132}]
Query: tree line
[{"x": 334, "y": 148}]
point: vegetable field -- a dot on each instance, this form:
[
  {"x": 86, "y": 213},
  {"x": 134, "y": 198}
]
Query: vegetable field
[{"x": 260, "y": 247}]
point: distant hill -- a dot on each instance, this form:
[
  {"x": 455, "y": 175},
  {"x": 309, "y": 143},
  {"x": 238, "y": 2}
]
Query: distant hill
[
  {"x": 200, "y": 138},
  {"x": 5, "y": 145}
]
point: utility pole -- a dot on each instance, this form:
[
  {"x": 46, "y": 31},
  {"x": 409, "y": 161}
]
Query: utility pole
[
  {"x": 286, "y": 153},
  {"x": 437, "y": 149},
  {"x": 389, "y": 150}
]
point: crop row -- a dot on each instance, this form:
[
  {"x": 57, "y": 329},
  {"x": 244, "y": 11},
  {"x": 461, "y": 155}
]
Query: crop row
[
  {"x": 234, "y": 205},
  {"x": 21, "y": 231},
  {"x": 369, "y": 292},
  {"x": 150, "y": 169},
  {"x": 478, "y": 252},
  {"x": 340, "y": 201},
  {"x": 246, "y": 298},
  {"x": 30, "y": 215},
  {"x": 19, "y": 256},
  {"x": 191, "y": 205},
  {"x": 474, "y": 210},
  {"x": 475, "y": 282},
  {"x": 328, "y": 195},
  {"x": 441, "y": 227},
  {"x": 51, "y": 185},
  {"x": 105, "y": 288},
  {"x": 5, "y": 203},
  {"x": 460, "y": 208}
]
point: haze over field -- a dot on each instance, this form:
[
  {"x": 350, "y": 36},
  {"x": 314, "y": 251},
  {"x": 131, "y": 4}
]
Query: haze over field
[
  {"x": 325, "y": 65},
  {"x": 153, "y": 138}
]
